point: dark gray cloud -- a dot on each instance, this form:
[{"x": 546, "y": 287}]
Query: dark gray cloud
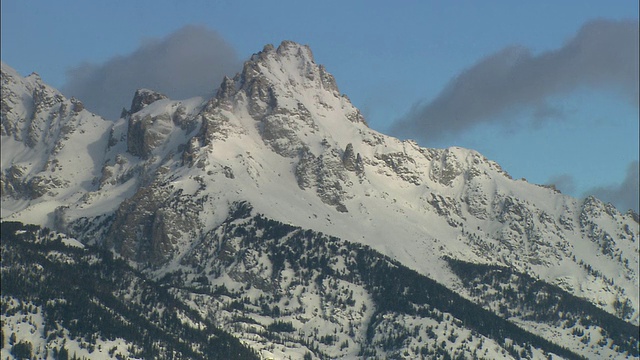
[
  {"x": 565, "y": 183},
  {"x": 189, "y": 62},
  {"x": 624, "y": 195},
  {"x": 602, "y": 55}
]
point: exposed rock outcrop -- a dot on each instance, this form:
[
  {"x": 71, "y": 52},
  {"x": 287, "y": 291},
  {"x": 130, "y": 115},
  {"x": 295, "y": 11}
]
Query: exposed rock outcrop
[
  {"x": 144, "y": 97},
  {"x": 148, "y": 226}
]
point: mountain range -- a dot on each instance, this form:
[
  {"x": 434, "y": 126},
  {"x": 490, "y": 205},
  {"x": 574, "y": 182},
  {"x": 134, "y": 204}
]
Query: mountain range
[{"x": 270, "y": 221}]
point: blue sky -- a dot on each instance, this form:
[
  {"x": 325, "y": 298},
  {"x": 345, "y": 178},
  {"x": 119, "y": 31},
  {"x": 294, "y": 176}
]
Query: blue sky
[{"x": 393, "y": 61}]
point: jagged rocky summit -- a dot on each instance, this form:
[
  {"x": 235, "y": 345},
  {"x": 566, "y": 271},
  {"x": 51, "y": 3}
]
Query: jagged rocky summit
[{"x": 158, "y": 184}]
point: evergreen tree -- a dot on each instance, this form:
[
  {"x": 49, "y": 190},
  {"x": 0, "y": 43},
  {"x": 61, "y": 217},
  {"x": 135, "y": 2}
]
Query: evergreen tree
[{"x": 22, "y": 350}]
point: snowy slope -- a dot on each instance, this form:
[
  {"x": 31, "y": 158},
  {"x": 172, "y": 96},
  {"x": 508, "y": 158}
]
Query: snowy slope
[
  {"x": 52, "y": 148},
  {"x": 281, "y": 137}
]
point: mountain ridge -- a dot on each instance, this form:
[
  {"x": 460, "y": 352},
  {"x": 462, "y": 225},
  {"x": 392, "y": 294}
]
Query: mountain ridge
[{"x": 280, "y": 136}]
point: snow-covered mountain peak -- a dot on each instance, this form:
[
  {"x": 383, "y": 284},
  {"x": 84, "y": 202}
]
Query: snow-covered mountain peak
[
  {"x": 283, "y": 95},
  {"x": 51, "y": 146},
  {"x": 280, "y": 137},
  {"x": 24, "y": 103},
  {"x": 289, "y": 67},
  {"x": 287, "y": 59}
]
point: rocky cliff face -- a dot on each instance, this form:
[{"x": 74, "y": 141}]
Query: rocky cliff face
[{"x": 280, "y": 136}]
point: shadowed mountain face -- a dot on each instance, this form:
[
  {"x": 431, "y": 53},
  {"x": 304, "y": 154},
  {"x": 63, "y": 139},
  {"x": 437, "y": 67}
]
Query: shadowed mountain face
[{"x": 210, "y": 197}]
